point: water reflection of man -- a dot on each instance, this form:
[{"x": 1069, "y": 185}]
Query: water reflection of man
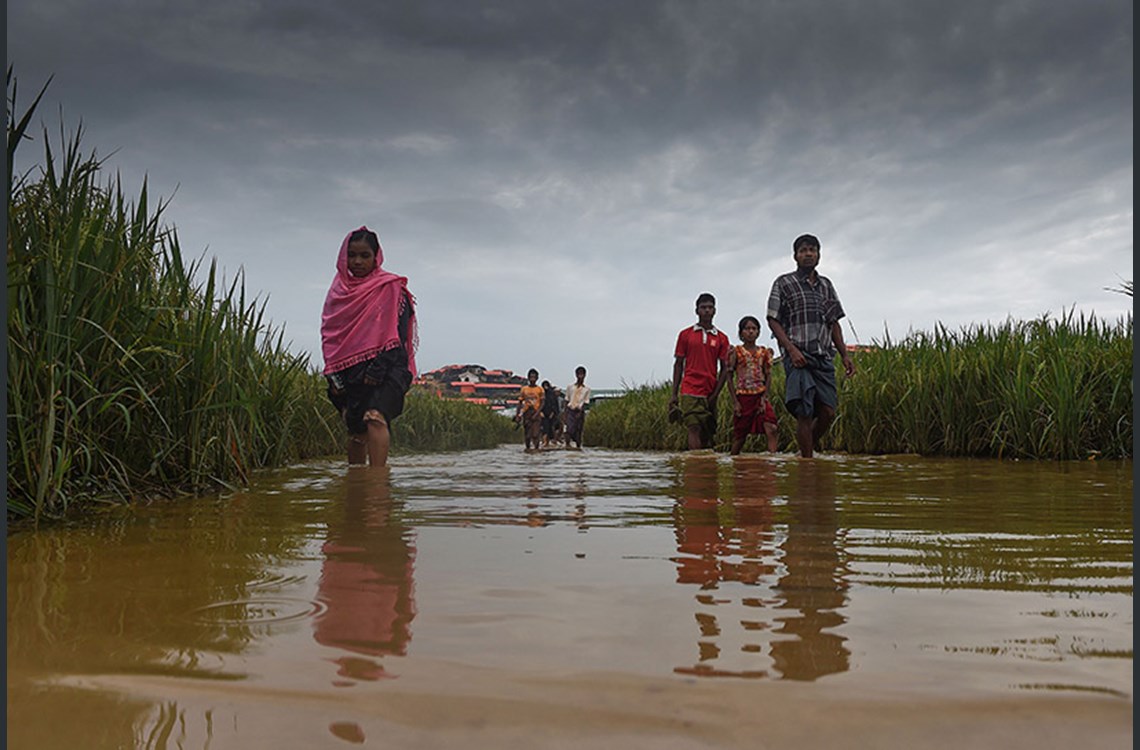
[
  {"x": 813, "y": 584},
  {"x": 366, "y": 579},
  {"x": 724, "y": 542},
  {"x": 697, "y": 526}
]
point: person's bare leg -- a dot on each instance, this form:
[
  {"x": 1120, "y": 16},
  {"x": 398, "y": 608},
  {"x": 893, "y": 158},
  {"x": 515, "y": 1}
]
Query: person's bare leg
[
  {"x": 530, "y": 424},
  {"x": 824, "y": 416},
  {"x": 695, "y": 437},
  {"x": 737, "y": 446},
  {"x": 357, "y": 450},
  {"x": 773, "y": 433},
  {"x": 379, "y": 438},
  {"x": 804, "y": 435}
]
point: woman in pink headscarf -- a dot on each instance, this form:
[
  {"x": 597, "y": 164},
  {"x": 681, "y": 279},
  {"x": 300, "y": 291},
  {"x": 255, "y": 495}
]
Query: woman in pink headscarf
[{"x": 368, "y": 338}]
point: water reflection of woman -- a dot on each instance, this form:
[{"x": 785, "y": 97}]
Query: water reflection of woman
[
  {"x": 366, "y": 579},
  {"x": 813, "y": 587}
]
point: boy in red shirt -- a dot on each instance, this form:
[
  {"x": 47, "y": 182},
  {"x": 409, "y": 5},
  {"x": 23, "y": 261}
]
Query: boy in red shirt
[{"x": 699, "y": 372}]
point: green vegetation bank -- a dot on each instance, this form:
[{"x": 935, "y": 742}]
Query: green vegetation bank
[
  {"x": 133, "y": 372},
  {"x": 1052, "y": 388}
]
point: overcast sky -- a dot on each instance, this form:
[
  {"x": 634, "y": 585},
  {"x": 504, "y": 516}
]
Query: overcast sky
[{"x": 560, "y": 180}]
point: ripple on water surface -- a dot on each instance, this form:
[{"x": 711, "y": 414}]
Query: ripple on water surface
[{"x": 870, "y": 576}]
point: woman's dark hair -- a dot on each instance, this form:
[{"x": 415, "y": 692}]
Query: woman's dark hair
[
  {"x": 368, "y": 236},
  {"x": 747, "y": 319}
]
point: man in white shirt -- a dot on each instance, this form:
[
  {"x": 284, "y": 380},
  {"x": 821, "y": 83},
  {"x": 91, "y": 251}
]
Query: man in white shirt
[{"x": 577, "y": 396}]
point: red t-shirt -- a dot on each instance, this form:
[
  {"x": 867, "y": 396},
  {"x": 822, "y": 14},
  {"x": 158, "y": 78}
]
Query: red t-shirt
[{"x": 702, "y": 350}]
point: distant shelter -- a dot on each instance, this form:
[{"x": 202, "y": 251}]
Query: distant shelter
[{"x": 497, "y": 389}]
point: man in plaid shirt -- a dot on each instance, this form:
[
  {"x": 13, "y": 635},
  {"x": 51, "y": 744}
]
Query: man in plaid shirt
[{"x": 804, "y": 314}]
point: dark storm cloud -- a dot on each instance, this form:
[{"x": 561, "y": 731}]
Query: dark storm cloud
[
  {"x": 602, "y": 81},
  {"x": 623, "y": 149}
]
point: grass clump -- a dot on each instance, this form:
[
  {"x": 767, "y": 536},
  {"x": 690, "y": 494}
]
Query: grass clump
[
  {"x": 1050, "y": 388},
  {"x": 126, "y": 373},
  {"x": 638, "y": 420},
  {"x": 135, "y": 372},
  {"x": 431, "y": 423}
]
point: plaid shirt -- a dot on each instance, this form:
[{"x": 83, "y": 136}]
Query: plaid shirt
[{"x": 806, "y": 309}]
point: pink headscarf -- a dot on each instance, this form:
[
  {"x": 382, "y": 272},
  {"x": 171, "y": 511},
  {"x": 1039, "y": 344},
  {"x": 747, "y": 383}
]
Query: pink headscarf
[{"x": 361, "y": 314}]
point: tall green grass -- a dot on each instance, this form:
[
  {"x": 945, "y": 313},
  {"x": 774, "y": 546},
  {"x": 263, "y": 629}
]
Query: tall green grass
[
  {"x": 126, "y": 372},
  {"x": 638, "y": 420},
  {"x": 133, "y": 371},
  {"x": 1051, "y": 388},
  {"x": 430, "y": 423}
]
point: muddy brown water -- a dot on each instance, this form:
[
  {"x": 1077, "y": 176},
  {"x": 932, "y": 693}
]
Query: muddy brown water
[{"x": 594, "y": 598}]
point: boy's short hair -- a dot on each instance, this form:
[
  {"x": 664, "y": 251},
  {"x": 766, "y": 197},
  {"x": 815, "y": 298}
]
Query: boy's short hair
[
  {"x": 705, "y": 297},
  {"x": 532, "y": 371},
  {"x": 805, "y": 239},
  {"x": 747, "y": 319}
]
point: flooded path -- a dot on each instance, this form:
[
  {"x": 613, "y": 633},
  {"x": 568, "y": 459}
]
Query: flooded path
[{"x": 495, "y": 599}]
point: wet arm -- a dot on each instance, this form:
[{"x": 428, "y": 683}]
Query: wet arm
[
  {"x": 678, "y": 373},
  {"x": 730, "y": 380},
  {"x": 841, "y": 347},
  {"x": 721, "y": 379},
  {"x": 786, "y": 344},
  {"x": 403, "y": 324}
]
